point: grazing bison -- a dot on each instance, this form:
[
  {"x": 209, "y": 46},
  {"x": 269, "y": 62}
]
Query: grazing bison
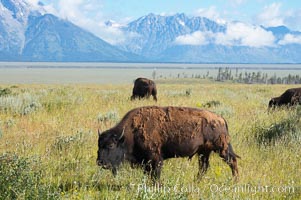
[
  {"x": 289, "y": 98},
  {"x": 144, "y": 87},
  {"x": 148, "y": 135}
]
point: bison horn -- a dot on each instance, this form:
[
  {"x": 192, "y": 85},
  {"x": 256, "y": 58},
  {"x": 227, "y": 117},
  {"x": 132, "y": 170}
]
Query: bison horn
[
  {"x": 99, "y": 133},
  {"x": 121, "y": 134}
]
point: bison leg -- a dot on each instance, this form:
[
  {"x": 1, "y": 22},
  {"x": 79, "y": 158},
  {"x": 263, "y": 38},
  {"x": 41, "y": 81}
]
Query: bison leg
[
  {"x": 156, "y": 172},
  {"x": 155, "y": 97},
  {"x": 154, "y": 94},
  {"x": 114, "y": 171},
  {"x": 203, "y": 164},
  {"x": 153, "y": 168},
  {"x": 133, "y": 97}
]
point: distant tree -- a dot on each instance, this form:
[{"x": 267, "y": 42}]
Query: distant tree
[
  {"x": 258, "y": 76},
  {"x": 219, "y": 74},
  {"x": 154, "y": 74}
]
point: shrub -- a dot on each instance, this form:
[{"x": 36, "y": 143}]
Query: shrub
[
  {"x": 285, "y": 131},
  {"x": 22, "y": 104},
  {"x": 224, "y": 111},
  {"x": 64, "y": 142},
  {"x": 109, "y": 116},
  {"x": 21, "y": 179},
  {"x": 212, "y": 103},
  {"x": 5, "y": 92}
]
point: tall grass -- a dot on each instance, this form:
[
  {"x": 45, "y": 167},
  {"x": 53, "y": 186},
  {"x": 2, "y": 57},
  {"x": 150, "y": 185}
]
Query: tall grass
[
  {"x": 50, "y": 151},
  {"x": 286, "y": 130}
]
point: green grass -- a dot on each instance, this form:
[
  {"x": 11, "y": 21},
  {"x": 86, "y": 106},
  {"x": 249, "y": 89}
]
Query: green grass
[{"x": 49, "y": 151}]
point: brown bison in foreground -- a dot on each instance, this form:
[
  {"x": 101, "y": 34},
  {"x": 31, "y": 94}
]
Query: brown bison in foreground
[
  {"x": 144, "y": 87},
  {"x": 149, "y": 135},
  {"x": 289, "y": 98}
]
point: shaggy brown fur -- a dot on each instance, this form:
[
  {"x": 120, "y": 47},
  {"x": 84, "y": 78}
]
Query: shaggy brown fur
[
  {"x": 152, "y": 134},
  {"x": 144, "y": 87}
]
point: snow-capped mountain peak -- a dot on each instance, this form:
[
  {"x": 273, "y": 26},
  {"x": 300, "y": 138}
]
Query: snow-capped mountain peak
[
  {"x": 20, "y": 9},
  {"x": 28, "y": 33}
]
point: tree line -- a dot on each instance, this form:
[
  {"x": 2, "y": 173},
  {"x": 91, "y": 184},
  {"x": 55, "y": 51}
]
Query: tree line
[{"x": 225, "y": 74}]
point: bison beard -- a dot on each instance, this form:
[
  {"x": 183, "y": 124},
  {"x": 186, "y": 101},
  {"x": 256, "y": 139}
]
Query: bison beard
[{"x": 149, "y": 135}]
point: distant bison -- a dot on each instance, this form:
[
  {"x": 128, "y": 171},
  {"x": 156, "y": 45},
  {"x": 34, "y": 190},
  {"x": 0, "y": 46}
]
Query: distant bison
[
  {"x": 144, "y": 87},
  {"x": 148, "y": 135},
  {"x": 289, "y": 98}
]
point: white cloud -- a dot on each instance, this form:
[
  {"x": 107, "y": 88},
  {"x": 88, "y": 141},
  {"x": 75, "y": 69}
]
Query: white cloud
[
  {"x": 36, "y": 5},
  {"x": 290, "y": 39},
  {"x": 196, "y": 38},
  {"x": 87, "y": 14},
  {"x": 271, "y": 15},
  {"x": 51, "y": 9},
  {"x": 237, "y": 34},
  {"x": 245, "y": 35},
  {"x": 274, "y": 15},
  {"x": 293, "y": 18},
  {"x": 112, "y": 34},
  {"x": 210, "y": 13},
  {"x": 237, "y": 2}
]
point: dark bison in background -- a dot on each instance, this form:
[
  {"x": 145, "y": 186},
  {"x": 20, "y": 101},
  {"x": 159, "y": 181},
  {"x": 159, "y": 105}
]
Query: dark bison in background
[
  {"x": 148, "y": 135},
  {"x": 144, "y": 87},
  {"x": 289, "y": 98}
]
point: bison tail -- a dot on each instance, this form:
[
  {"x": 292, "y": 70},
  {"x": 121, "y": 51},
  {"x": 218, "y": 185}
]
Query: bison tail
[{"x": 231, "y": 152}]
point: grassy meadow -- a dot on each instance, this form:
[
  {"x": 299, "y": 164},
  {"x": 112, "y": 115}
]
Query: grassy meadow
[{"x": 48, "y": 143}]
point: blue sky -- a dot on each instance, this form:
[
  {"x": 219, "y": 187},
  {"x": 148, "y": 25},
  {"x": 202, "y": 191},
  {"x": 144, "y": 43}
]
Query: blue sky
[
  {"x": 92, "y": 14},
  {"x": 245, "y": 10},
  {"x": 241, "y": 10}
]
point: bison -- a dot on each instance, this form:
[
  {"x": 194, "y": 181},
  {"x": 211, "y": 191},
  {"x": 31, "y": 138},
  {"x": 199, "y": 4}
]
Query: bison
[
  {"x": 148, "y": 135},
  {"x": 144, "y": 87},
  {"x": 289, "y": 98}
]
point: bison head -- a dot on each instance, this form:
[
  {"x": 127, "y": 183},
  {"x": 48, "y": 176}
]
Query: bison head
[
  {"x": 110, "y": 150},
  {"x": 273, "y": 102}
]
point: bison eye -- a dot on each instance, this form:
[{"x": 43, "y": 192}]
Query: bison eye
[{"x": 111, "y": 146}]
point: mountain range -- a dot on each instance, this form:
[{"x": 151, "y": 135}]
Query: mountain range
[{"x": 28, "y": 33}]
